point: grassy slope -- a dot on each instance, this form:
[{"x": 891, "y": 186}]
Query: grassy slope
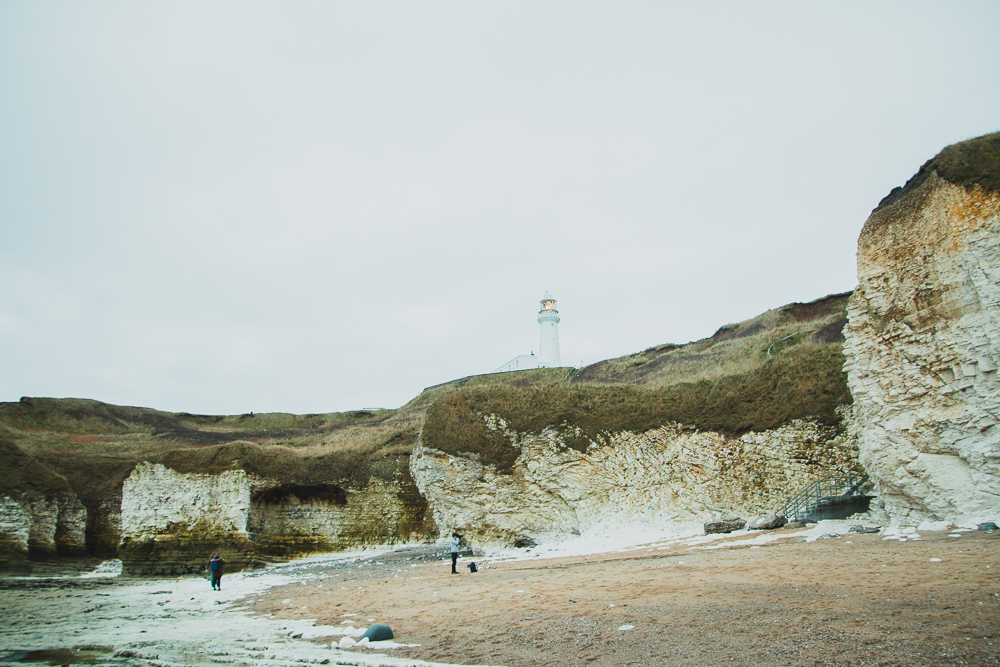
[
  {"x": 94, "y": 445},
  {"x": 726, "y": 383},
  {"x": 973, "y": 164},
  {"x": 54, "y": 444},
  {"x": 23, "y": 474},
  {"x": 734, "y": 349}
]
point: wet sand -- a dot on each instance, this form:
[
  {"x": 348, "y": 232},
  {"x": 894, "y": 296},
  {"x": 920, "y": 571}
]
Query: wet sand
[{"x": 849, "y": 600}]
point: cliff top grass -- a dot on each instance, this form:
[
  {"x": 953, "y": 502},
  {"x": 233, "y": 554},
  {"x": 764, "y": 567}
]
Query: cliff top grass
[
  {"x": 23, "y": 475},
  {"x": 94, "y": 446},
  {"x": 734, "y": 349},
  {"x": 806, "y": 380},
  {"x": 86, "y": 416},
  {"x": 974, "y": 164},
  {"x": 971, "y": 163}
]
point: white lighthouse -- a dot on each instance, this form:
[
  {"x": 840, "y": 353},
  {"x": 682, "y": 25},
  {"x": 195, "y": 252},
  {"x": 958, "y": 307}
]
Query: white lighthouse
[
  {"x": 548, "y": 319},
  {"x": 548, "y": 351}
]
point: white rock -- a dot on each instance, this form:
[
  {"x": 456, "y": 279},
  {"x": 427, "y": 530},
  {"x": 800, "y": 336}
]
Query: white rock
[
  {"x": 154, "y": 497},
  {"x": 37, "y": 520},
  {"x": 934, "y": 525},
  {"x": 660, "y": 478},
  {"x": 922, "y": 348},
  {"x": 15, "y": 523},
  {"x": 346, "y": 642}
]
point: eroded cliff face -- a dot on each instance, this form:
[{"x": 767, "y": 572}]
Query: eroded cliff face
[
  {"x": 171, "y": 522},
  {"x": 40, "y": 528},
  {"x": 15, "y": 526},
  {"x": 923, "y": 347},
  {"x": 168, "y": 517},
  {"x": 665, "y": 477}
]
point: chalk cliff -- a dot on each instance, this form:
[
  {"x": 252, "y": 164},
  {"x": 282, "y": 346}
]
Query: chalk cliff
[
  {"x": 171, "y": 521},
  {"x": 665, "y": 477},
  {"x": 923, "y": 340},
  {"x": 83, "y": 480},
  {"x": 40, "y": 528},
  {"x": 41, "y": 518},
  {"x": 734, "y": 423},
  {"x": 764, "y": 405}
]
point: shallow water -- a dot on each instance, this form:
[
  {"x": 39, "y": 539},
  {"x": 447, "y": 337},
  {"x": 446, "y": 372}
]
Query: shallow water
[
  {"x": 57, "y": 656},
  {"x": 101, "y": 618},
  {"x": 169, "y": 621}
]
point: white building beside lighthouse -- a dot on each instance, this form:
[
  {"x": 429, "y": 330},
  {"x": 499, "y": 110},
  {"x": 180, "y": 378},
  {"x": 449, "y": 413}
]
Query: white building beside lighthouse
[{"x": 548, "y": 350}]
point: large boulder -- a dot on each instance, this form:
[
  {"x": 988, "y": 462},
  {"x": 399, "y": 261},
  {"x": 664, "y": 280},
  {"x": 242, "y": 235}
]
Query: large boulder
[
  {"x": 923, "y": 340},
  {"x": 726, "y": 525},
  {"x": 378, "y": 633},
  {"x": 767, "y": 522}
]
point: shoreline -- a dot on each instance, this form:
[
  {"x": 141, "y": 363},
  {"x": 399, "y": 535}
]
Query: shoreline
[
  {"x": 801, "y": 596},
  {"x": 818, "y": 596},
  {"x": 167, "y": 620}
]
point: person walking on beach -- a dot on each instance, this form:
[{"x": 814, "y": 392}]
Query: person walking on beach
[
  {"x": 456, "y": 539},
  {"x": 215, "y": 567}
]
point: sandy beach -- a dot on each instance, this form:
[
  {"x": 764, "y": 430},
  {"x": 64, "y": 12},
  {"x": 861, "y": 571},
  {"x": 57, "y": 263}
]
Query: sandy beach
[
  {"x": 778, "y": 598},
  {"x": 848, "y": 600}
]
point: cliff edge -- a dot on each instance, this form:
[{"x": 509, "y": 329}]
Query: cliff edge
[
  {"x": 923, "y": 340},
  {"x": 674, "y": 435}
]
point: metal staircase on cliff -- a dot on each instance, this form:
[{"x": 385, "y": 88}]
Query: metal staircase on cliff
[{"x": 826, "y": 490}]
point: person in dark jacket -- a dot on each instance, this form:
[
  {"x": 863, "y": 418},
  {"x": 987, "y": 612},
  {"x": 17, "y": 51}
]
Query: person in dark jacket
[
  {"x": 215, "y": 567},
  {"x": 456, "y": 540}
]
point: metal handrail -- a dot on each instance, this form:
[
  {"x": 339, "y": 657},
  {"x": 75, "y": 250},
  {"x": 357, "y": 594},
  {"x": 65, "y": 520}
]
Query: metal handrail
[
  {"x": 842, "y": 486},
  {"x": 786, "y": 338}
]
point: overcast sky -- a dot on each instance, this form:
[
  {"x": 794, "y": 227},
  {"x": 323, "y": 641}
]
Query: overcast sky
[{"x": 315, "y": 206}]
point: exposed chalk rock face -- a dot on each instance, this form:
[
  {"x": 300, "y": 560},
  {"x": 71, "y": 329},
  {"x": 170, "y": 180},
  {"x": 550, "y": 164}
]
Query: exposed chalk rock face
[
  {"x": 666, "y": 477},
  {"x": 15, "y": 526},
  {"x": 288, "y": 519},
  {"x": 41, "y": 527},
  {"x": 70, "y": 536},
  {"x": 155, "y": 497},
  {"x": 923, "y": 344},
  {"x": 104, "y": 527},
  {"x": 172, "y": 522},
  {"x": 58, "y": 525},
  {"x": 44, "y": 513}
]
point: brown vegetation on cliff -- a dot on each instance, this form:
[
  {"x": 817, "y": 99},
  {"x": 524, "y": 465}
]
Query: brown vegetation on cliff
[
  {"x": 725, "y": 383},
  {"x": 972, "y": 164},
  {"x": 22, "y": 474},
  {"x": 52, "y": 446},
  {"x": 805, "y": 381},
  {"x": 734, "y": 349},
  {"x": 752, "y": 376}
]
